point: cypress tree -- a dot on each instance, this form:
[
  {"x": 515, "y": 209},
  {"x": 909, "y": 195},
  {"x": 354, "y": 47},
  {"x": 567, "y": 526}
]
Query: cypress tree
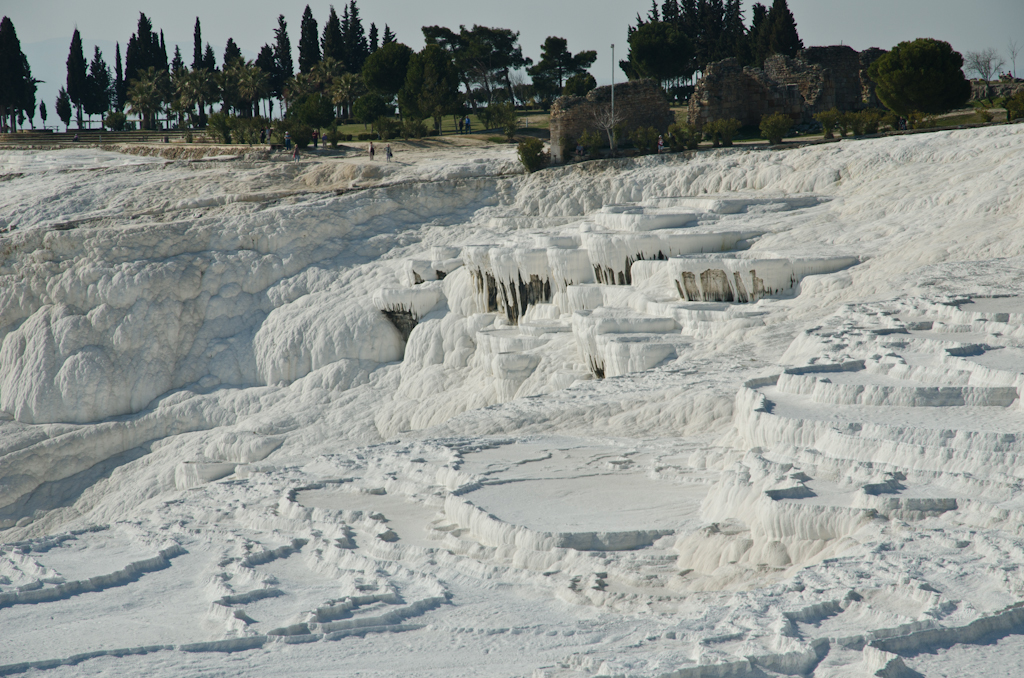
[
  {"x": 42, "y": 112},
  {"x": 98, "y": 100},
  {"x": 63, "y": 107},
  {"x": 332, "y": 43},
  {"x": 17, "y": 86},
  {"x": 670, "y": 12},
  {"x": 163, "y": 52},
  {"x": 78, "y": 86},
  {"x": 177, "y": 64},
  {"x": 374, "y": 40},
  {"x": 197, "y": 47},
  {"x": 119, "y": 83},
  {"x": 282, "y": 56},
  {"x": 784, "y": 38},
  {"x": 209, "y": 59},
  {"x": 231, "y": 53},
  {"x": 356, "y": 46},
  {"x": 143, "y": 51},
  {"x": 758, "y": 36},
  {"x": 309, "y": 42}
]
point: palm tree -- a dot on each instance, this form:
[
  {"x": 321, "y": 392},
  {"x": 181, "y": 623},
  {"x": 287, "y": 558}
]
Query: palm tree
[
  {"x": 344, "y": 90},
  {"x": 323, "y": 75},
  {"x": 146, "y": 96},
  {"x": 252, "y": 84}
]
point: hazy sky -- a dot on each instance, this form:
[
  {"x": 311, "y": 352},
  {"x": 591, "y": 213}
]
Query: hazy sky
[{"x": 45, "y": 26}]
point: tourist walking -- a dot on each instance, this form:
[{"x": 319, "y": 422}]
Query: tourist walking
[
  {"x": 287, "y": 140},
  {"x": 661, "y": 144},
  {"x": 295, "y": 153},
  {"x": 462, "y": 124},
  {"x": 469, "y": 125},
  {"x": 316, "y": 135},
  {"x": 387, "y": 153},
  {"x": 371, "y": 150}
]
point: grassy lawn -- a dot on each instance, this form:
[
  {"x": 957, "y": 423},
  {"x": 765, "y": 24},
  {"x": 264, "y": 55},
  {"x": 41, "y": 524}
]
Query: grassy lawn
[{"x": 536, "y": 119}]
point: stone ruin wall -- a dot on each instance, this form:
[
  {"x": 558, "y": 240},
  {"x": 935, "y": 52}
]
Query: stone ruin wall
[
  {"x": 817, "y": 79},
  {"x": 640, "y": 103}
]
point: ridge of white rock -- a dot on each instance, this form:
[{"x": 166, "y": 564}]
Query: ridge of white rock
[{"x": 746, "y": 414}]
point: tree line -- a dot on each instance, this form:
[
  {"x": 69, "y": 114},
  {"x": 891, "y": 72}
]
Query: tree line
[
  {"x": 679, "y": 38},
  {"x": 344, "y": 72}
]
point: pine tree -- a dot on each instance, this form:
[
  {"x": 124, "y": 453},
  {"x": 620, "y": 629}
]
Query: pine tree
[
  {"x": 197, "y": 47},
  {"x": 78, "y": 86},
  {"x": 283, "y": 57},
  {"x": 784, "y": 38},
  {"x": 389, "y": 37},
  {"x": 119, "y": 83},
  {"x": 374, "y": 40},
  {"x": 332, "y": 43}
]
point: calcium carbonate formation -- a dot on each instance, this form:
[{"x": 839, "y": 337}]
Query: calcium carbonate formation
[{"x": 739, "y": 414}]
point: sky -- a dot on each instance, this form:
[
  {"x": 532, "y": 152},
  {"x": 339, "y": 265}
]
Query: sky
[{"x": 45, "y": 26}]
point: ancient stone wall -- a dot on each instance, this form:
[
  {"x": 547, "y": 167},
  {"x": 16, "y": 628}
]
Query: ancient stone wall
[
  {"x": 639, "y": 103},
  {"x": 817, "y": 79},
  {"x": 729, "y": 90}
]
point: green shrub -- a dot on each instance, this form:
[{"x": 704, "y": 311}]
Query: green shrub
[
  {"x": 532, "y": 155},
  {"x": 247, "y": 130},
  {"x": 829, "y": 121},
  {"x": 116, "y": 121},
  {"x": 985, "y": 115},
  {"x": 365, "y": 136},
  {"x": 844, "y": 123},
  {"x": 711, "y": 134},
  {"x": 413, "y": 129},
  {"x": 724, "y": 129},
  {"x": 645, "y": 139},
  {"x": 568, "y": 146},
  {"x": 1015, "y": 106},
  {"x": 870, "y": 119},
  {"x": 505, "y": 116},
  {"x": 892, "y": 120},
  {"x": 855, "y": 123},
  {"x": 220, "y": 125},
  {"x": 592, "y": 141},
  {"x": 775, "y": 126},
  {"x": 188, "y": 137},
  {"x": 334, "y": 136},
  {"x": 302, "y": 135},
  {"x": 386, "y": 128}
]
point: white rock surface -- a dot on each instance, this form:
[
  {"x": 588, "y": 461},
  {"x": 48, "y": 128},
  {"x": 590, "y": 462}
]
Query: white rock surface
[{"x": 212, "y": 438}]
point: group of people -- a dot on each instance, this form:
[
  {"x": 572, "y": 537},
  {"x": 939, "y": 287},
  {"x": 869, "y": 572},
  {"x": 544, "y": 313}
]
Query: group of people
[
  {"x": 388, "y": 155},
  {"x": 465, "y": 125},
  {"x": 371, "y": 150}
]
